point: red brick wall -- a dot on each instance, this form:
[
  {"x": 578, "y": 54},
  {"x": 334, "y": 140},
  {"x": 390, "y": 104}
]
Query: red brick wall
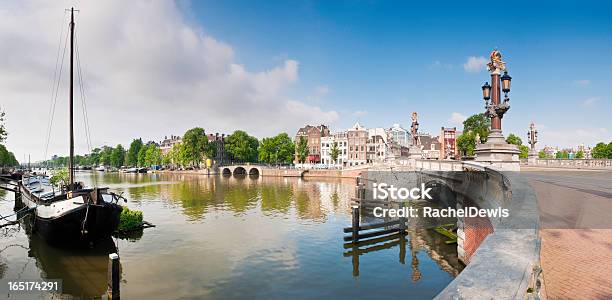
[{"x": 475, "y": 230}]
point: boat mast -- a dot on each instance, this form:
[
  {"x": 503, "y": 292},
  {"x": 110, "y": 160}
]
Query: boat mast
[{"x": 71, "y": 158}]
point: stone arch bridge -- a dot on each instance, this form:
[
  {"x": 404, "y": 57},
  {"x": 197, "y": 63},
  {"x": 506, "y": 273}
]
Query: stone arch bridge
[{"x": 252, "y": 170}]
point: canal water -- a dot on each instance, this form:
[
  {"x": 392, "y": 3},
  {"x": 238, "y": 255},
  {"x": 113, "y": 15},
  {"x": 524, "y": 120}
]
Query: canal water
[{"x": 233, "y": 238}]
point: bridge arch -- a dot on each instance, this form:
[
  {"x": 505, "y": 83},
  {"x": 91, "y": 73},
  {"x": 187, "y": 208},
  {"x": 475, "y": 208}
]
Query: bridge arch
[
  {"x": 442, "y": 193},
  {"x": 254, "y": 171},
  {"x": 226, "y": 172},
  {"x": 240, "y": 171}
]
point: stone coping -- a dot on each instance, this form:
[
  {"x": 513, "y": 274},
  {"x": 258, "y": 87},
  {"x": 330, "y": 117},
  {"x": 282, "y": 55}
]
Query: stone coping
[{"x": 506, "y": 264}]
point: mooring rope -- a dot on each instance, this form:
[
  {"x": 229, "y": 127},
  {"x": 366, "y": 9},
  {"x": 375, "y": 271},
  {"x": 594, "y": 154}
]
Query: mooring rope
[
  {"x": 82, "y": 89},
  {"x": 55, "y": 87}
]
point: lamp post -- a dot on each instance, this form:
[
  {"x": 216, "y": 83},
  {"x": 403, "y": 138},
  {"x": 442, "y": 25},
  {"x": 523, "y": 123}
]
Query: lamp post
[
  {"x": 495, "y": 109},
  {"x": 532, "y": 139},
  {"x": 496, "y": 151}
]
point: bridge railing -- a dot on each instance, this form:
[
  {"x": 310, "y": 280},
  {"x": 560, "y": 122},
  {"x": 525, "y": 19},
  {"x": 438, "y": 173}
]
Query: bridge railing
[{"x": 574, "y": 163}]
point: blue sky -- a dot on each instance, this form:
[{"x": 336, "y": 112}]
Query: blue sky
[
  {"x": 157, "y": 68},
  {"x": 381, "y": 60}
]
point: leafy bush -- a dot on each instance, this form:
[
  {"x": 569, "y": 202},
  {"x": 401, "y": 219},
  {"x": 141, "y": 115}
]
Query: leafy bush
[
  {"x": 129, "y": 219},
  {"x": 60, "y": 176}
]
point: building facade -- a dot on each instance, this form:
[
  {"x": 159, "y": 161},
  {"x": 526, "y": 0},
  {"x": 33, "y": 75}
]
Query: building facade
[
  {"x": 400, "y": 135},
  {"x": 448, "y": 143},
  {"x": 219, "y": 141},
  {"x": 167, "y": 143},
  {"x": 430, "y": 146},
  {"x": 327, "y": 144},
  {"x": 313, "y": 135},
  {"x": 357, "y": 137}
]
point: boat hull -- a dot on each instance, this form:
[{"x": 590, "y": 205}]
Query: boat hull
[
  {"x": 100, "y": 222},
  {"x": 72, "y": 221}
]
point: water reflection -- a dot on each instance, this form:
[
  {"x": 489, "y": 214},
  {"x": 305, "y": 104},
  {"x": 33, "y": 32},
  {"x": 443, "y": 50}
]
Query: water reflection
[
  {"x": 227, "y": 237},
  {"x": 83, "y": 270}
]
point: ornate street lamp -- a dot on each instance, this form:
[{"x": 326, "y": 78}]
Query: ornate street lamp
[
  {"x": 486, "y": 92},
  {"x": 495, "y": 109},
  {"x": 505, "y": 79}
]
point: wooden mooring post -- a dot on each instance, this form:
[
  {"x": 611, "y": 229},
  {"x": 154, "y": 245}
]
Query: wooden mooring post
[
  {"x": 113, "y": 277},
  {"x": 355, "y": 221}
]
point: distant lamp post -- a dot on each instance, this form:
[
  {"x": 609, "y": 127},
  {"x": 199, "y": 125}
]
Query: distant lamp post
[{"x": 532, "y": 139}]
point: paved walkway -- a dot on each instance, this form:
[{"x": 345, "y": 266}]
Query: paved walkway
[{"x": 576, "y": 230}]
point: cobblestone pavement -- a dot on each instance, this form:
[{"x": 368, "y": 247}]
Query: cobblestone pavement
[{"x": 576, "y": 231}]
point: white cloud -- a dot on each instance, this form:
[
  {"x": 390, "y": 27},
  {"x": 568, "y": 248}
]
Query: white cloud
[
  {"x": 359, "y": 113},
  {"x": 457, "y": 118},
  {"x": 582, "y": 82},
  {"x": 475, "y": 64},
  {"x": 590, "y": 102},
  {"x": 148, "y": 72},
  {"x": 319, "y": 93}
]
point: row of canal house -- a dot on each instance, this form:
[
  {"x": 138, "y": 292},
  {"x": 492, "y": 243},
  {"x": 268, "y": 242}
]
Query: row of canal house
[
  {"x": 218, "y": 139},
  {"x": 359, "y": 145}
]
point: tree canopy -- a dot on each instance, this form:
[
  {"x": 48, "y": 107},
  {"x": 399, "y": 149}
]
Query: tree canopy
[
  {"x": 132, "y": 154},
  {"x": 195, "y": 143},
  {"x": 478, "y": 123},
  {"x": 602, "y": 150},
  {"x": 3, "y": 132},
  {"x": 466, "y": 143},
  {"x": 334, "y": 152},
  {"x": 302, "y": 149},
  {"x": 7, "y": 158},
  {"x": 117, "y": 156},
  {"x": 242, "y": 147},
  {"x": 515, "y": 140},
  {"x": 277, "y": 149}
]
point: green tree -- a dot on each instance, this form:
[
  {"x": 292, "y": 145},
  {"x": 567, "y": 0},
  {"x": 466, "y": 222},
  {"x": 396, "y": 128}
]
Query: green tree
[
  {"x": 242, "y": 147},
  {"x": 524, "y": 151},
  {"x": 579, "y": 155},
  {"x": 178, "y": 154},
  {"x": 302, "y": 149},
  {"x": 105, "y": 155},
  {"x": 195, "y": 143},
  {"x": 153, "y": 155},
  {"x": 3, "y": 132},
  {"x": 94, "y": 157},
  {"x": 277, "y": 149},
  {"x": 562, "y": 154},
  {"x": 267, "y": 150},
  {"x": 210, "y": 151},
  {"x": 542, "y": 154},
  {"x": 466, "y": 143},
  {"x": 514, "y": 140},
  {"x": 334, "y": 152},
  {"x": 7, "y": 158},
  {"x": 132, "y": 154},
  {"x": 478, "y": 123},
  {"x": 286, "y": 148},
  {"x": 117, "y": 157},
  {"x": 601, "y": 150},
  {"x": 142, "y": 156}
]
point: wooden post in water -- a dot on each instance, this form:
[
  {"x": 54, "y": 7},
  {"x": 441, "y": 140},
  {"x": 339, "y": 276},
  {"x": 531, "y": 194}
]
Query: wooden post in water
[
  {"x": 355, "y": 223},
  {"x": 113, "y": 277}
]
